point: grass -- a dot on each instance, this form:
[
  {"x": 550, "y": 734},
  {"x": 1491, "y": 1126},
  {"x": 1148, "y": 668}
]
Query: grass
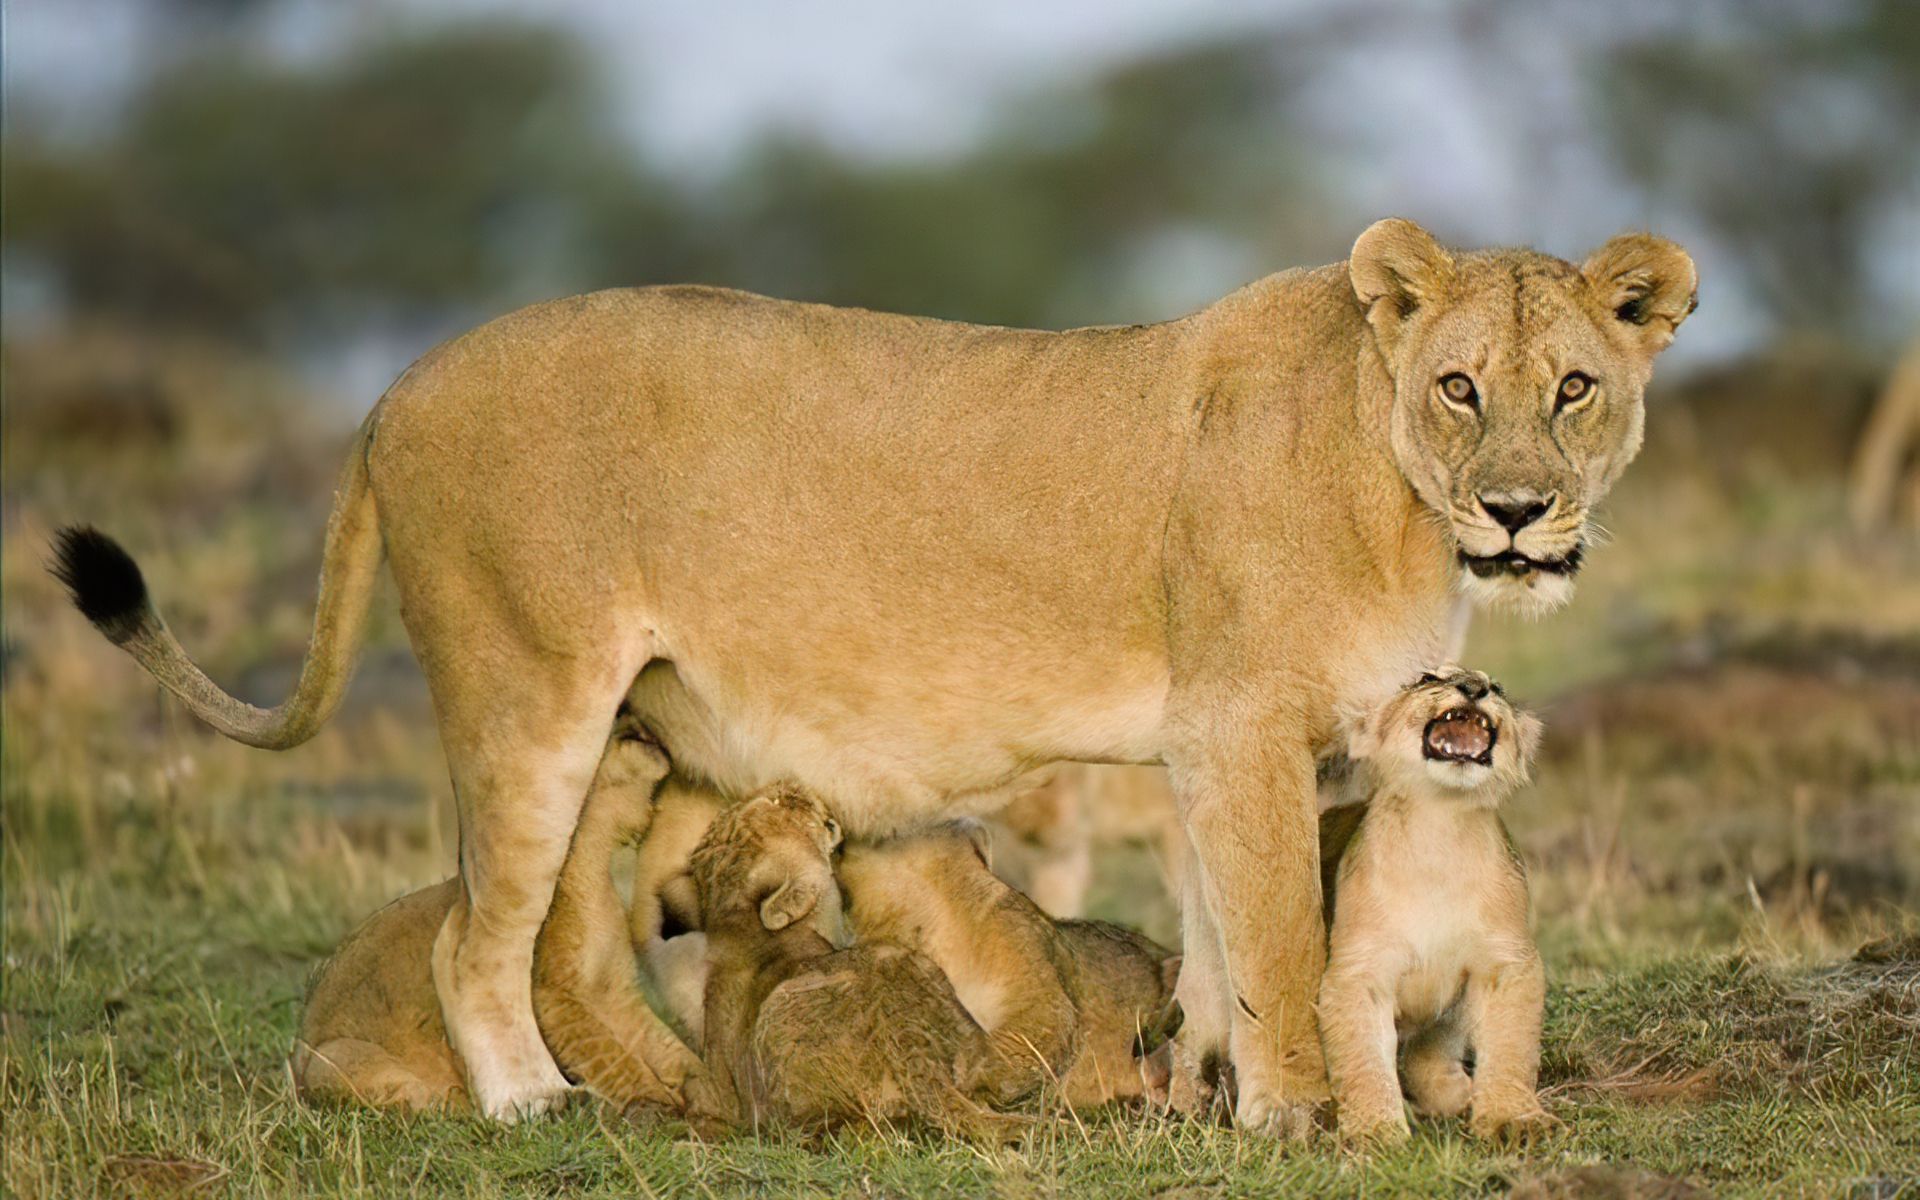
[{"x": 1728, "y": 810}]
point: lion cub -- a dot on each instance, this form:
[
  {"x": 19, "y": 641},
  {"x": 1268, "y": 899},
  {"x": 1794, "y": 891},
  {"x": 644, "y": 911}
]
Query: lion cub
[
  {"x": 803, "y": 1032},
  {"x": 1427, "y": 917},
  {"x": 372, "y": 1032},
  {"x": 1064, "y": 1001}
]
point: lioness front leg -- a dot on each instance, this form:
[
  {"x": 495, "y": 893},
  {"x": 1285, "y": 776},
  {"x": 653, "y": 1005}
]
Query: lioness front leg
[
  {"x": 1504, "y": 1009},
  {"x": 1248, "y": 804}
]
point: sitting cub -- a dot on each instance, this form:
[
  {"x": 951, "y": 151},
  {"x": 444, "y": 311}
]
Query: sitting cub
[
  {"x": 807, "y": 1034},
  {"x": 1427, "y": 917},
  {"x": 1064, "y": 1001},
  {"x": 372, "y": 1033}
]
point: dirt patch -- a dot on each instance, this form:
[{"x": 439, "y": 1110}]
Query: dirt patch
[
  {"x": 1801, "y": 700},
  {"x": 1606, "y": 1182},
  {"x": 1685, "y": 1031}
]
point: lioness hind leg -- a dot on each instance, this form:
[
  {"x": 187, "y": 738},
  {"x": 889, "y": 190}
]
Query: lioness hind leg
[
  {"x": 523, "y": 732},
  {"x": 351, "y": 1071}
]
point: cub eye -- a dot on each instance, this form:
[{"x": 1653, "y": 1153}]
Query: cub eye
[
  {"x": 1573, "y": 389},
  {"x": 1429, "y": 677},
  {"x": 1458, "y": 389}
]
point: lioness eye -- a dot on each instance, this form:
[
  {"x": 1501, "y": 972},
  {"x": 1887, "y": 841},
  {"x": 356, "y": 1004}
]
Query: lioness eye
[
  {"x": 1459, "y": 389},
  {"x": 1573, "y": 389}
]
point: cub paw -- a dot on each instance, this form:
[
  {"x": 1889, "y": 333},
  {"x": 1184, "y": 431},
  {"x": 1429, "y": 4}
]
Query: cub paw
[
  {"x": 1193, "y": 1081},
  {"x": 1441, "y": 1093},
  {"x": 1518, "y": 1128}
]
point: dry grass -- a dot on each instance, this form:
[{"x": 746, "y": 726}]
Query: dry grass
[{"x": 1729, "y": 809}]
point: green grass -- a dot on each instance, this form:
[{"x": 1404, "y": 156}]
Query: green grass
[
  {"x": 1729, "y": 807},
  {"x": 154, "y": 981}
]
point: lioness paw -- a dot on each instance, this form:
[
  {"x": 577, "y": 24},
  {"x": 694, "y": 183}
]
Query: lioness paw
[{"x": 1272, "y": 1116}]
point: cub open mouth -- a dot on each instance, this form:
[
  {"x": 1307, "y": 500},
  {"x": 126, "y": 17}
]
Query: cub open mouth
[
  {"x": 1464, "y": 735},
  {"x": 1518, "y": 565}
]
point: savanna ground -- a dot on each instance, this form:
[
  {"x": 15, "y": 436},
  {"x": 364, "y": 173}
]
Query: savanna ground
[{"x": 1724, "y": 837}]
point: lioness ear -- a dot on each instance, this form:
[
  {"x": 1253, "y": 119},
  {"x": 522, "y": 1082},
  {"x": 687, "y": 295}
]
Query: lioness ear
[
  {"x": 1396, "y": 267},
  {"x": 1647, "y": 282},
  {"x": 791, "y": 901}
]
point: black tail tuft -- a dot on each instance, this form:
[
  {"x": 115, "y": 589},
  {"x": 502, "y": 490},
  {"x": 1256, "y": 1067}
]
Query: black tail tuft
[{"x": 103, "y": 579}]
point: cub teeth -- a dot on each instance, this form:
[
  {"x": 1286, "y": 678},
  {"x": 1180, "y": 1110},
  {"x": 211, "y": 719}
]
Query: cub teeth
[{"x": 1461, "y": 734}]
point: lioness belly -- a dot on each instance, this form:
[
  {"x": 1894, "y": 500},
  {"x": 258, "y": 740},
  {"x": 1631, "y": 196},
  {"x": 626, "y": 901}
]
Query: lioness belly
[{"x": 890, "y": 763}]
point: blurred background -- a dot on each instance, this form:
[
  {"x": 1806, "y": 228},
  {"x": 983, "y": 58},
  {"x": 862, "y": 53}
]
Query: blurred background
[{"x": 230, "y": 223}]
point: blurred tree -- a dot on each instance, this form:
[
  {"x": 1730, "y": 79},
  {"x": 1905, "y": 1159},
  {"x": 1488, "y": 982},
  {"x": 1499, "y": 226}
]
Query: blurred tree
[
  {"x": 1790, "y": 130},
  {"x": 1037, "y": 225},
  {"x": 428, "y": 172}
]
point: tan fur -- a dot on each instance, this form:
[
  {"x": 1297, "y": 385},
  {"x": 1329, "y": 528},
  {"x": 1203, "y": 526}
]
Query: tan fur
[
  {"x": 1429, "y": 947},
  {"x": 1886, "y": 464},
  {"x": 664, "y": 908},
  {"x": 905, "y": 561},
  {"x": 664, "y": 902},
  {"x": 586, "y": 987},
  {"x": 372, "y": 1032},
  {"x": 805, "y": 1034},
  {"x": 1044, "y": 839},
  {"x": 1064, "y": 1002}
]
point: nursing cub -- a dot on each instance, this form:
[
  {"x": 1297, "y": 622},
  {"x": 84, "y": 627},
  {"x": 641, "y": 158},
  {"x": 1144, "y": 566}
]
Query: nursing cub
[
  {"x": 802, "y": 1029},
  {"x": 1067, "y": 1003},
  {"x": 1429, "y": 956}
]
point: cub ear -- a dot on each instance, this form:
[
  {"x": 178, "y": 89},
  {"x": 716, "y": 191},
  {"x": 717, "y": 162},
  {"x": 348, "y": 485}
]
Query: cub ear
[
  {"x": 789, "y": 902},
  {"x": 1646, "y": 282},
  {"x": 1396, "y": 267},
  {"x": 980, "y": 838},
  {"x": 1526, "y": 737},
  {"x": 1365, "y": 738}
]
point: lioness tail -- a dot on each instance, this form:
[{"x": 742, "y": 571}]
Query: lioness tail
[{"x": 109, "y": 591}]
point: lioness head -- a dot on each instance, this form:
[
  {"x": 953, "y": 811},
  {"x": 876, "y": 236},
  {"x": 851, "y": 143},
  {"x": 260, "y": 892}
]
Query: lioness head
[
  {"x": 1517, "y": 388},
  {"x": 1451, "y": 727}
]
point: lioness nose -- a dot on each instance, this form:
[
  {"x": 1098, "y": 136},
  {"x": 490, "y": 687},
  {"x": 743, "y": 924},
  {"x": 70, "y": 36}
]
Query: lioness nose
[{"x": 1514, "y": 511}]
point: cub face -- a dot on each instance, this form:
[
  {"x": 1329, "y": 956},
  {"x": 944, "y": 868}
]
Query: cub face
[
  {"x": 1453, "y": 731},
  {"x": 768, "y": 860},
  {"x": 1518, "y": 382}
]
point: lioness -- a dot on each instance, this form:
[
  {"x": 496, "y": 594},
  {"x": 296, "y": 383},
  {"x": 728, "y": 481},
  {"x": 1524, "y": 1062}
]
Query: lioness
[
  {"x": 904, "y": 561},
  {"x": 1428, "y": 942},
  {"x": 372, "y": 1033}
]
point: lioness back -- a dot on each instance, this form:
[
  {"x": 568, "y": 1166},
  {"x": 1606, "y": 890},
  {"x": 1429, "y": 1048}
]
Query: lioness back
[{"x": 762, "y": 489}]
